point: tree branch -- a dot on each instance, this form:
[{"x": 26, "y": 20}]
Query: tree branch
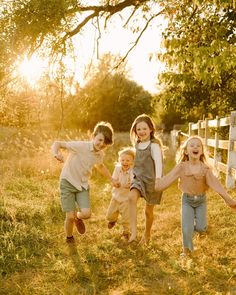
[
  {"x": 129, "y": 18},
  {"x": 79, "y": 27},
  {"x": 110, "y": 9},
  {"x": 138, "y": 38}
]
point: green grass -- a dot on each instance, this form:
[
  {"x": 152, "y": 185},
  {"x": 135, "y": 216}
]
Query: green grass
[{"x": 34, "y": 258}]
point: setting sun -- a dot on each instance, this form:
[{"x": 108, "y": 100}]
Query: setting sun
[{"x": 32, "y": 69}]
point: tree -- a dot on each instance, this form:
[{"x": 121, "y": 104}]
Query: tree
[
  {"x": 199, "y": 41},
  {"x": 201, "y": 60},
  {"x": 51, "y": 25},
  {"x": 108, "y": 96}
]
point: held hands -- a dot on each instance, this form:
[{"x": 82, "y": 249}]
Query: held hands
[
  {"x": 115, "y": 183},
  {"x": 231, "y": 203}
]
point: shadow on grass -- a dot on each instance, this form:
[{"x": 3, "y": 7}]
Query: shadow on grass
[
  {"x": 121, "y": 267},
  {"x": 81, "y": 280}
]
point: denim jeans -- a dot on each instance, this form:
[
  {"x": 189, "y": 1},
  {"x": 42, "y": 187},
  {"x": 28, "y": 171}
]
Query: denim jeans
[{"x": 194, "y": 217}]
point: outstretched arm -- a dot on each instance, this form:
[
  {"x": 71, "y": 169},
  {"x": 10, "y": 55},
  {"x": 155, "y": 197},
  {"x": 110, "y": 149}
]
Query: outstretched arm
[
  {"x": 164, "y": 182},
  {"x": 105, "y": 172},
  {"x": 55, "y": 148},
  {"x": 215, "y": 184}
]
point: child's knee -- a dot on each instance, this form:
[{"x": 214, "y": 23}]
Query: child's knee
[
  {"x": 70, "y": 216},
  {"x": 85, "y": 213}
]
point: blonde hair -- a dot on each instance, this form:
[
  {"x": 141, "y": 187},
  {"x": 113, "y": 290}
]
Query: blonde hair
[
  {"x": 127, "y": 151},
  {"x": 133, "y": 134},
  {"x": 181, "y": 155}
]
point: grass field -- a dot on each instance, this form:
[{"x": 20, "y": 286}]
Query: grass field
[{"x": 36, "y": 260}]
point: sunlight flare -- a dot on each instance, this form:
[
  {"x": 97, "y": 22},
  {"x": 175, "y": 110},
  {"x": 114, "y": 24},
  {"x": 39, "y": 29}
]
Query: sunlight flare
[{"x": 32, "y": 69}]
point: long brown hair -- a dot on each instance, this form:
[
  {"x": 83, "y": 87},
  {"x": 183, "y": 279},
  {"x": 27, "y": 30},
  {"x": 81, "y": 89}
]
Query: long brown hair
[{"x": 133, "y": 134}]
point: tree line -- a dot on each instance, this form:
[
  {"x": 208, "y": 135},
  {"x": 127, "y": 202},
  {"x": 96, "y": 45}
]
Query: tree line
[{"x": 198, "y": 49}]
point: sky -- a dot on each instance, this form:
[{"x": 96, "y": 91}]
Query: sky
[
  {"x": 115, "y": 40},
  {"x": 143, "y": 69},
  {"x": 118, "y": 40}
]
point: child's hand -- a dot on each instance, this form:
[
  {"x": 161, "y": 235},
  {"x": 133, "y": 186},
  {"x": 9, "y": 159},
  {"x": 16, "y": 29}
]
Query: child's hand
[
  {"x": 59, "y": 157},
  {"x": 115, "y": 183},
  {"x": 231, "y": 203},
  {"x": 157, "y": 184}
]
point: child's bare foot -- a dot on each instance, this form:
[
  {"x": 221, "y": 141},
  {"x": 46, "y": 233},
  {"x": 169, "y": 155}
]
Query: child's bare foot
[
  {"x": 186, "y": 253},
  {"x": 132, "y": 238},
  {"x": 202, "y": 235},
  {"x": 126, "y": 236},
  {"x": 145, "y": 240},
  {"x": 70, "y": 240}
]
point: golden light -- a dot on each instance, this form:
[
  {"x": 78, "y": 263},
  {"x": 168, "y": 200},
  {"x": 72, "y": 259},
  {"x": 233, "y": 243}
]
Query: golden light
[{"x": 32, "y": 69}]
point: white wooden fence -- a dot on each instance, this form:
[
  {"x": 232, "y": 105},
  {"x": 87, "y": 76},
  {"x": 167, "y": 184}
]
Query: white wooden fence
[{"x": 204, "y": 128}]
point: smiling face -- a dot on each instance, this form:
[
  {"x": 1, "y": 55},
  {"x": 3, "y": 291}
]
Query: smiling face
[
  {"x": 194, "y": 149},
  {"x": 126, "y": 161},
  {"x": 99, "y": 142},
  {"x": 143, "y": 131}
]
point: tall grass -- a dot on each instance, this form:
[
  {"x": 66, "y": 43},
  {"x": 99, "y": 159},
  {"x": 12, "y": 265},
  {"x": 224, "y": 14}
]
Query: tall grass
[{"x": 35, "y": 259}]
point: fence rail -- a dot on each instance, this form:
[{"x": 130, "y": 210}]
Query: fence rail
[{"x": 207, "y": 129}]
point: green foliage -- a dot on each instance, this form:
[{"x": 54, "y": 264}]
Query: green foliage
[
  {"x": 201, "y": 59},
  {"x": 23, "y": 238},
  {"x": 47, "y": 26},
  {"x": 29, "y": 22},
  {"x": 108, "y": 96},
  {"x": 199, "y": 53}
]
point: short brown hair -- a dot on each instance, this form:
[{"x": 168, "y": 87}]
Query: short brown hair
[{"x": 106, "y": 129}]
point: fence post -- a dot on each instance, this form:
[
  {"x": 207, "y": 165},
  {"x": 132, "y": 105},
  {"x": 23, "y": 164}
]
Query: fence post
[
  {"x": 206, "y": 132},
  {"x": 231, "y": 159},
  {"x": 190, "y": 129},
  {"x": 216, "y": 143},
  {"x": 173, "y": 139},
  {"x": 200, "y": 130}
]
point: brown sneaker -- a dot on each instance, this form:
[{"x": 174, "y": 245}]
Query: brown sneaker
[
  {"x": 70, "y": 240},
  {"x": 111, "y": 224},
  {"x": 80, "y": 225}
]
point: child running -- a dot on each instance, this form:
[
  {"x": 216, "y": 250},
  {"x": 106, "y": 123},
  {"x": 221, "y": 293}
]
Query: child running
[
  {"x": 74, "y": 187},
  {"x": 195, "y": 177},
  {"x": 147, "y": 167},
  {"x": 123, "y": 174}
]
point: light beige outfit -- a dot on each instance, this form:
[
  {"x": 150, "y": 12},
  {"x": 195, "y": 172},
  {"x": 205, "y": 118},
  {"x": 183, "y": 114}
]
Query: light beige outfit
[
  {"x": 119, "y": 201},
  {"x": 79, "y": 163}
]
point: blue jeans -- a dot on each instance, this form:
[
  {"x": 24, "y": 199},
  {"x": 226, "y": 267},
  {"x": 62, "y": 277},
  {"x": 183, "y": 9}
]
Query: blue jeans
[{"x": 194, "y": 217}]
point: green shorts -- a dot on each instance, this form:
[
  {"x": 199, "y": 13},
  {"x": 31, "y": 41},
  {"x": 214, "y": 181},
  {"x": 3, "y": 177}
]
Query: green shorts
[{"x": 71, "y": 197}]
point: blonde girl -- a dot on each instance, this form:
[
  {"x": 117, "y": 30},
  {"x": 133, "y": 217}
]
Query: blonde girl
[
  {"x": 147, "y": 167},
  {"x": 195, "y": 177}
]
